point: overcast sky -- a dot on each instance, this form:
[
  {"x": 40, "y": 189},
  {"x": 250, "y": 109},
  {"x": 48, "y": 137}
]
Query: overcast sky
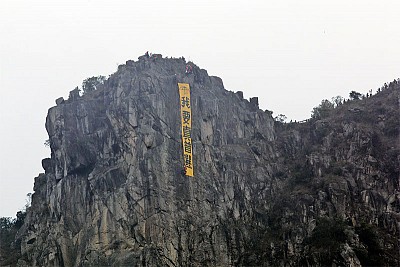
[{"x": 291, "y": 54}]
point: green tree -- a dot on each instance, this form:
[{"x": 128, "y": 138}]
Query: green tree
[
  {"x": 9, "y": 252},
  {"x": 20, "y": 219},
  {"x": 6, "y": 223},
  {"x": 337, "y": 100},
  {"x": 354, "y": 95},
  {"x": 326, "y": 239},
  {"x": 323, "y": 110},
  {"x": 92, "y": 83},
  {"x": 280, "y": 118},
  {"x": 371, "y": 253},
  {"x": 47, "y": 143}
]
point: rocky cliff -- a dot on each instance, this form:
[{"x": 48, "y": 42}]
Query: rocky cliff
[{"x": 264, "y": 193}]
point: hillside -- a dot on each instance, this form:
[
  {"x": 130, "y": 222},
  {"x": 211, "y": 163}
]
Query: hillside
[{"x": 264, "y": 193}]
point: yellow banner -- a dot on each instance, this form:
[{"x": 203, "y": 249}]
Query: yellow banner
[{"x": 186, "y": 118}]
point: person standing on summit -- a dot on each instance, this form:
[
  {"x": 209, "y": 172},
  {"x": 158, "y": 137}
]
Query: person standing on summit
[{"x": 189, "y": 69}]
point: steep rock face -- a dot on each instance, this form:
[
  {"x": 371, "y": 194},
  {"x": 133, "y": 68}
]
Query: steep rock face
[
  {"x": 113, "y": 192},
  {"x": 344, "y": 166}
]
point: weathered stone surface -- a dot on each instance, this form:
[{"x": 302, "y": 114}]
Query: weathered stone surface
[
  {"x": 59, "y": 101},
  {"x": 47, "y": 165},
  {"x": 115, "y": 193}
]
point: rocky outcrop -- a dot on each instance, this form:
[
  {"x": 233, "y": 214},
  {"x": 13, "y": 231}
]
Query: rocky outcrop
[
  {"x": 345, "y": 167},
  {"x": 113, "y": 192}
]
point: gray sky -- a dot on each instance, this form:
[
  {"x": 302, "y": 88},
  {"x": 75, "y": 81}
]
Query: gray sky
[{"x": 289, "y": 53}]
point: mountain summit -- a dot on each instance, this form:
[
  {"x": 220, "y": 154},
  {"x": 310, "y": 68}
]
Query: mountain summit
[{"x": 264, "y": 193}]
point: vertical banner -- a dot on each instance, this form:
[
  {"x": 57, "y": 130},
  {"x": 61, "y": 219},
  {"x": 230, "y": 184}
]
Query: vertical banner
[{"x": 186, "y": 118}]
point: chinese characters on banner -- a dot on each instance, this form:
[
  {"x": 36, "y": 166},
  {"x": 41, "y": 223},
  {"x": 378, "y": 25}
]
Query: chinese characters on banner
[{"x": 186, "y": 118}]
